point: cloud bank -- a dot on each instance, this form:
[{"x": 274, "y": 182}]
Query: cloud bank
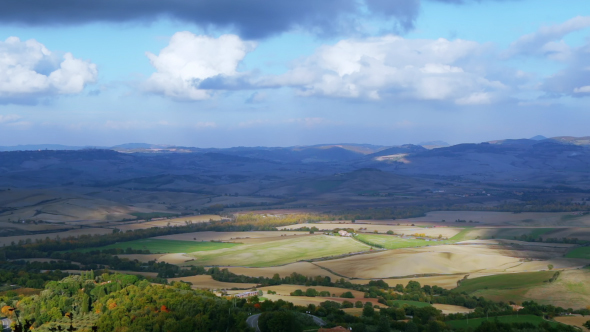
[
  {"x": 252, "y": 19},
  {"x": 29, "y": 70},
  {"x": 394, "y": 67}
]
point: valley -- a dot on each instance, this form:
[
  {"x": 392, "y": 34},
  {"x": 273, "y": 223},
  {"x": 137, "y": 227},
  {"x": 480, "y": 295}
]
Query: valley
[{"x": 312, "y": 226}]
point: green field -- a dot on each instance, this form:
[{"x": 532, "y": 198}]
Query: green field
[
  {"x": 505, "y": 281},
  {"x": 390, "y": 241},
  {"x": 461, "y": 236},
  {"x": 580, "y": 252},
  {"x": 280, "y": 252},
  {"x": 412, "y": 303},
  {"x": 157, "y": 246},
  {"x": 473, "y": 323}
]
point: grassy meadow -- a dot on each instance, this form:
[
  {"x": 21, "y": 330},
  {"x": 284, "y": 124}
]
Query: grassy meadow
[
  {"x": 166, "y": 246},
  {"x": 473, "y": 323},
  {"x": 580, "y": 252},
  {"x": 390, "y": 241},
  {"x": 505, "y": 281}
]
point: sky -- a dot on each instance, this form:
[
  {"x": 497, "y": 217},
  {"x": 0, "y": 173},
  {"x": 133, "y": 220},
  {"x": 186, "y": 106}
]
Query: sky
[{"x": 223, "y": 73}]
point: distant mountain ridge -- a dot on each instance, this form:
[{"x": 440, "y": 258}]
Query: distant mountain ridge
[
  {"x": 558, "y": 161},
  {"x": 33, "y": 147}
]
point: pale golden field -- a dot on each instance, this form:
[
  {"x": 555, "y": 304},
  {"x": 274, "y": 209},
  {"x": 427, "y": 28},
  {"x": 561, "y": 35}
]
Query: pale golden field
[
  {"x": 304, "y": 268},
  {"x": 164, "y": 222},
  {"x": 354, "y": 311},
  {"x": 451, "y": 309},
  {"x": 447, "y": 281},
  {"x": 570, "y": 290},
  {"x": 575, "y": 320},
  {"x": 525, "y": 219},
  {"x": 305, "y": 301},
  {"x": 558, "y": 263},
  {"x": 287, "y": 289},
  {"x": 228, "y": 236},
  {"x": 446, "y": 259},
  {"x": 207, "y": 282},
  {"x": 446, "y": 232},
  {"x": 75, "y": 232}
]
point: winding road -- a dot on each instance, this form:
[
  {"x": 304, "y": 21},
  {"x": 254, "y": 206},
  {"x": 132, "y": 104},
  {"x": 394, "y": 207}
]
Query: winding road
[
  {"x": 6, "y": 324},
  {"x": 252, "y": 321}
]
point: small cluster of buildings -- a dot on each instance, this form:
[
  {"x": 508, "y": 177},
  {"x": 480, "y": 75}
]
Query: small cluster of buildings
[
  {"x": 344, "y": 233},
  {"x": 246, "y": 294}
]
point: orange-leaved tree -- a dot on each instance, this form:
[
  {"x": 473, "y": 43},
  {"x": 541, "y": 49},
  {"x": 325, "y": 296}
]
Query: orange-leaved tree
[{"x": 7, "y": 310}]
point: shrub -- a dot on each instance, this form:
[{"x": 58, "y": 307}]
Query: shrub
[
  {"x": 347, "y": 295},
  {"x": 311, "y": 292},
  {"x": 297, "y": 292}
]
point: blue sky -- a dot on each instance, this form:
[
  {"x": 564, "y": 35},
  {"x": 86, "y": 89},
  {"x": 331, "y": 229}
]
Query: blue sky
[{"x": 213, "y": 74}]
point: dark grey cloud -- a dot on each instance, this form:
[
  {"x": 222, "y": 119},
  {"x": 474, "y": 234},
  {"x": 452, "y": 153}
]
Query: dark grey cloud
[
  {"x": 405, "y": 11},
  {"x": 251, "y": 18}
]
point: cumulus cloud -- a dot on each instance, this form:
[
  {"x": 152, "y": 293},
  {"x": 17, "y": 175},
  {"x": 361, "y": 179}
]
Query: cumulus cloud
[
  {"x": 583, "y": 89},
  {"x": 250, "y": 18},
  {"x": 189, "y": 60},
  {"x": 373, "y": 68},
  {"x": 547, "y": 40},
  {"x": 29, "y": 70}
]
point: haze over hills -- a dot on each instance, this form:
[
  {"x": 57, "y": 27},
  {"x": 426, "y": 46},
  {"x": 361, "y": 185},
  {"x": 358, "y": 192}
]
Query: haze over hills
[
  {"x": 559, "y": 160},
  {"x": 318, "y": 175}
]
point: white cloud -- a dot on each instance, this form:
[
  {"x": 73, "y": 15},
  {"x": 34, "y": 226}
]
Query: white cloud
[
  {"x": 371, "y": 68},
  {"x": 23, "y": 67},
  {"x": 189, "y": 59},
  {"x": 547, "y": 40},
  {"x": 582, "y": 89}
]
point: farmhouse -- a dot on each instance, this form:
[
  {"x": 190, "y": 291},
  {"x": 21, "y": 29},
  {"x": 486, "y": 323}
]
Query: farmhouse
[
  {"x": 246, "y": 294},
  {"x": 344, "y": 233}
]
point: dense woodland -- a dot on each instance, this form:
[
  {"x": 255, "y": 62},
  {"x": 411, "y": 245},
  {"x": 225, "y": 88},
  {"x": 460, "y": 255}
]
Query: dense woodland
[{"x": 118, "y": 302}]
